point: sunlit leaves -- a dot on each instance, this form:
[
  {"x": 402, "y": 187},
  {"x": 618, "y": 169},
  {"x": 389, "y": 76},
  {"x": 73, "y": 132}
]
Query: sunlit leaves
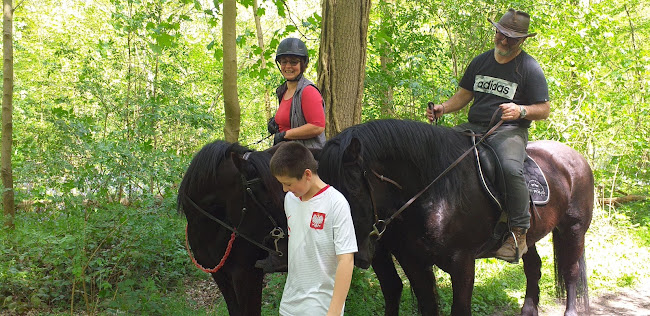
[
  {"x": 246, "y": 3},
  {"x": 597, "y": 81},
  {"x": 260, "y": 11},
  {"x": 280, "y": 5},
  {"x": 291, "y": 28}
]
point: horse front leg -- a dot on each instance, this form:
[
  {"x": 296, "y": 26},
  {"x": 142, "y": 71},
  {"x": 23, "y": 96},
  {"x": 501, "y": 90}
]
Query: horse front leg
[
  {"x": 532, "y": 269},
  {"x": 248, "y": 288},
  {"x": 462, "y": 275},
  {"x": 423, "y": 283},
  {"x": 224, "y": 282},
  {"x": 389, "y": 280}
]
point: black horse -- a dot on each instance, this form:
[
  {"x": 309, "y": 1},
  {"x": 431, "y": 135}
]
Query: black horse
[
  {"x": 234, "y": 210},
  {"x": 381, "y": 165}
]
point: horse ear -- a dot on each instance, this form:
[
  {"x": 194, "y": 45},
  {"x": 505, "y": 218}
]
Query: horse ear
[
  {"x": 315, "y": 152},
  {"x": 273, "y": 149},
  {"x": 237, "y": 160},
  {"x": 353, "y": 151}
]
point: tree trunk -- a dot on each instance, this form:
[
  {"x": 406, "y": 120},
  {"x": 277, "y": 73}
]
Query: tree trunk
[
  {"x": 386, "y": 59},
  {"x": 7, "y": 109},
  {"x": 623, "y": 199},
  {"x": 341, "y": 68},
  {"x": 260, "y": 43},
  {"x": 230, "y": 100}
]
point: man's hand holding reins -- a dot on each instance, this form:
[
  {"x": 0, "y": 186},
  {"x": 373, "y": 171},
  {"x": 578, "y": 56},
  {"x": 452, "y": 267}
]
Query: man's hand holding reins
[
  {"x": 435, "y": 111},
  {"x": 510, "y": 111}
]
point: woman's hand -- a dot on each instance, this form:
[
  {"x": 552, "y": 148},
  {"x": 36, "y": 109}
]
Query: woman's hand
[{"x": 272, "y": 126}]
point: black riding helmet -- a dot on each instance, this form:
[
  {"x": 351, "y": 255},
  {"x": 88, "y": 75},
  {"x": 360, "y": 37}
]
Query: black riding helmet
[{"x": 292, "y": 46}]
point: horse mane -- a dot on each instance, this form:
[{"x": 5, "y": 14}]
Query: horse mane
[
  {"x": 428, "y": 149},
  {"x": 260, "y": 160},
  {"x": 203, "y": 167}
]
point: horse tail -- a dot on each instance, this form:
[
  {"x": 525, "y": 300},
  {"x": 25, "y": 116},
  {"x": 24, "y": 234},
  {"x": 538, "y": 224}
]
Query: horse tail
[{"x": 582, "y": 289}]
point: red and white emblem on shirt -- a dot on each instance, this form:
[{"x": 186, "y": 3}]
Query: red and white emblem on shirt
[{"x": 317, "y": 220}]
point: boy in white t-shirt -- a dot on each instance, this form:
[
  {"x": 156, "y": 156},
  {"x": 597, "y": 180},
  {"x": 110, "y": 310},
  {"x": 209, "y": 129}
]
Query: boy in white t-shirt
[{"x": 321, "y": 236}]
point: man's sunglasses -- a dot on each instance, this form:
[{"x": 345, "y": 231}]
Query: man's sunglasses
[{"x": 511, "y": 40}]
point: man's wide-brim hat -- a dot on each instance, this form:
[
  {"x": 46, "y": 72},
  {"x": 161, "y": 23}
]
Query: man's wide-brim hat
[{"x": 514, "y": 24}]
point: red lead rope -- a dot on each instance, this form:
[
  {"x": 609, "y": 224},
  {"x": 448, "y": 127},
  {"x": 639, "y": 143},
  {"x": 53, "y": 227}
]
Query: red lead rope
[{"x": 223, "y": 260}]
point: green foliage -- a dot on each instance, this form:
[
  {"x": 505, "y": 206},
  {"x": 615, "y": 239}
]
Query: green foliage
[
  {"x": 597, "y": 82},
  {"x": 366, "y": 299},
  {"x": 118, "y": 113},
  {"x": 635, "y": 216},
  {"x": 94, "y": 258}
]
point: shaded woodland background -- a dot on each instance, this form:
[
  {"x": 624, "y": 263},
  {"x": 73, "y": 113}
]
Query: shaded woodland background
[{"x": 113, "y": 97}]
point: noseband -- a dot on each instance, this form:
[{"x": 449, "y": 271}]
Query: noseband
[{"x": 379, "y": 227}]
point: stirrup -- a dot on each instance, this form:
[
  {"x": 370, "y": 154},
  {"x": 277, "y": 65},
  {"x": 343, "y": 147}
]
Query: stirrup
[{"x": 517, "y": 255}]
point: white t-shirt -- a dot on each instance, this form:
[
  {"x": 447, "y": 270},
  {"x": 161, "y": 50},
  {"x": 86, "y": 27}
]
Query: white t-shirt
[{"x": 319, "y": 230}]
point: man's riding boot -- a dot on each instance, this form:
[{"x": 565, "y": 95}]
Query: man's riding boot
[{"x": 514, "y": 247}]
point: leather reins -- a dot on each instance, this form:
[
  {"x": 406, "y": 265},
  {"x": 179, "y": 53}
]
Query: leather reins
[{"x": 379, "y": 227}]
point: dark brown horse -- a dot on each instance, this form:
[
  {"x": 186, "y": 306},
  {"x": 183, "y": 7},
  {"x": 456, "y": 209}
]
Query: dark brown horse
[
  {"x": 229, "y": 188},
  {"x": 381, "y": 165}
]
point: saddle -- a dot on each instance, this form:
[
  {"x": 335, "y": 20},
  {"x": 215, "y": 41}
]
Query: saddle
[
  {"x": 492, "y": 180},
  {"x": 491, "y": 176}
]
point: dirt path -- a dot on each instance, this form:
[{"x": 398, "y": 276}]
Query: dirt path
[
  {"x": 626, "y": 302},
  {"x": 629, "y": 301}
]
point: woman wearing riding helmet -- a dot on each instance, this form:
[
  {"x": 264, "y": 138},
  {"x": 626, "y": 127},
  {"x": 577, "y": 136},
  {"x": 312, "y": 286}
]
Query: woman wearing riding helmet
[{"x": 301, "y": 113}]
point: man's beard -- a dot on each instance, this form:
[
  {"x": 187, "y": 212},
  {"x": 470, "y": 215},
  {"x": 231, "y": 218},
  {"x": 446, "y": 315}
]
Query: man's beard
[{"x": 504, "y": 53}]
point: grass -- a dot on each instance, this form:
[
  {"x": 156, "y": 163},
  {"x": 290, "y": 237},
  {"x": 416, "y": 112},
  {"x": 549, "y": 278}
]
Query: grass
[{"x": 110, "y": 260}]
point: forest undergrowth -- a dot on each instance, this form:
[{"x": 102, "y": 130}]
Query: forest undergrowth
[{"x": 113, "y": 259}]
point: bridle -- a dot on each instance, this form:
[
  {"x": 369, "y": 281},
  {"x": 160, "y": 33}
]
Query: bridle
[
  {"x": 276, "y": 233},
  {"x": 379, "y": 223}
]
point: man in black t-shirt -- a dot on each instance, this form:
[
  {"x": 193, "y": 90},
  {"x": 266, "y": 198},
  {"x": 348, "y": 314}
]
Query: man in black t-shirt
[{"x": 509, "y": 80}]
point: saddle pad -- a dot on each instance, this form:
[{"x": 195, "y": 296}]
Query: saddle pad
[{"x": 536, "y": 182}]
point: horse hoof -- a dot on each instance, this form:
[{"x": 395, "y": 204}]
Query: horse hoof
[{"x": 529, "y": 308}]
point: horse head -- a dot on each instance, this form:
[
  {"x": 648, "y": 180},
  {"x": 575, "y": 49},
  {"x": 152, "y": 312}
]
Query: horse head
[
  {"x": 205, "y": 179},
  {"x": 341, "y": 165},
  {"x": 267, "y": 201},
  {"x": 262, "y": 193}
]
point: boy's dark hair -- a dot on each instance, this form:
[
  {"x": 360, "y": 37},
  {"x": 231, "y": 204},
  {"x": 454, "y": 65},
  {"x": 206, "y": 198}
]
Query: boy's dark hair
[{"x": 291, "y": 159}]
